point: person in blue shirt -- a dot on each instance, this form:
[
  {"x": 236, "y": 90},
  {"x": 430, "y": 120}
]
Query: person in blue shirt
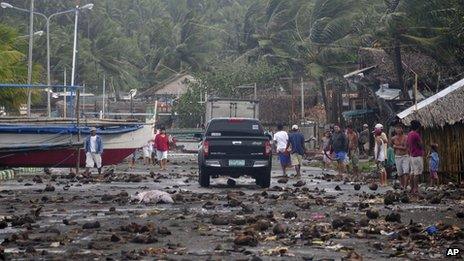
[
  {"x": 296, "y": 141},
  {"x": 434, "y": 164},
  {"x": 93, "y": 147}
]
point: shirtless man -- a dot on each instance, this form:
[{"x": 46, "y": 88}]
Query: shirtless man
[{"x": 399, "y": 144}]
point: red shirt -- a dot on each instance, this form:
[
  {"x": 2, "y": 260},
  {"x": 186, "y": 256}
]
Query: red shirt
[
  {"x": 162, "y": 142},
  {"x": 414, "y": 144}
]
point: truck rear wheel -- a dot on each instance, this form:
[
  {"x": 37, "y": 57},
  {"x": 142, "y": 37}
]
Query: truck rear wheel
[
  {"x": 264, "y": 180},
  {"x": 203, "y": 177}
]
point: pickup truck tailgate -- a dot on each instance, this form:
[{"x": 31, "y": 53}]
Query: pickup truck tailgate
[{"x": 252, "y": 147}]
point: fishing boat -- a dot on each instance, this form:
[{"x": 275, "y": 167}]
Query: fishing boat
[{"x": 59, "y": 143}]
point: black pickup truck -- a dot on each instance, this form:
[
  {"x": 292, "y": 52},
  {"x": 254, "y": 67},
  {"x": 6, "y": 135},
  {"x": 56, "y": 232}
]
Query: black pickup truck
[{"x": 235, "y": 147}]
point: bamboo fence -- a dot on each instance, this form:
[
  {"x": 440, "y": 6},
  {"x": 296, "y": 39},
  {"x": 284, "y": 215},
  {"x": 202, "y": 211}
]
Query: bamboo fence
[{"x": 450, "y": 140}]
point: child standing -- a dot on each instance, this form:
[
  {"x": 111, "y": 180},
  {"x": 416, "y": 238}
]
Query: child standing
[
  {"x": 380, "y": 152},
  {"x": 325, "y": 146},
  {"x": 434, "y": 163}
]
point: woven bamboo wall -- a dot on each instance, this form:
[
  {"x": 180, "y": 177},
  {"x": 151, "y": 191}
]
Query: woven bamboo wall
[{"x": 450, "y": 140}]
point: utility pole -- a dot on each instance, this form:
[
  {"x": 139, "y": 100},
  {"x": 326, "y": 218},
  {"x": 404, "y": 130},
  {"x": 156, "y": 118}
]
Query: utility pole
[
  {"x": 302, "y": 100},
  {"x": 73, "y": 68},
  {"x": 290, "y": 81},
  {"x": 255, "y": 92},
  {"x": 29, "y": 62},
  {"x": 103, "y": 96},
  {"x": 65, "y": 93}
]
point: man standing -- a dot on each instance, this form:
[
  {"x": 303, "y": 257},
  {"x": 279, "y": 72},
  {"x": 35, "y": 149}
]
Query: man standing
[
  {"x": 416, "y": 152},
  {"x": 339, "y": 144},
  {"x": 364, "y": 140},
  {"x": 162, "y": 147},
  {"x": 353, "y": 152},
  {"x": 281, "y": 142},
  {"x": 296, "y": 141},
  {"x": 93, "y": 150},
  {"x": 400, "y": 145}
]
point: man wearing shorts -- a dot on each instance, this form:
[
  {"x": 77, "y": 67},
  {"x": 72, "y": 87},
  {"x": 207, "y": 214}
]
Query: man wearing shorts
[
  {"x": 93, "y": 147},
  {"x": 400, "y": 145},
  {"x": 296, "y": 141},
  {"x": 162, "y": 147},
  {"x": 281, "y": 142},
  {"x": 339, "y": 144},
  {"x": 416, "y": 152}
]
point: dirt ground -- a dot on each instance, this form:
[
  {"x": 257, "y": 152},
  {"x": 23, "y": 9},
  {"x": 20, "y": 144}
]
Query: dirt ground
[{"x": 58, "y": 216}]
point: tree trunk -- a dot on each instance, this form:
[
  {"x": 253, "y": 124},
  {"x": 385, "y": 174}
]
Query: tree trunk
[
  {"x": 324, "y": 98},
  {"x": 399, "y": 70}
]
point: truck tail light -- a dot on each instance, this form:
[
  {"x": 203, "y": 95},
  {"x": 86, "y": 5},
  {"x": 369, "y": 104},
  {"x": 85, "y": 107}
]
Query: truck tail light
[
  {"x": 267, "y": 148},
  {"x": 235, "y": 120},
  {"x": 206, "y": 147}
]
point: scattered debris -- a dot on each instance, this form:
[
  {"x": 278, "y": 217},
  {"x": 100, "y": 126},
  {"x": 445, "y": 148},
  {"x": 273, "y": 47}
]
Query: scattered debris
[
  {"x": 231, "y": 183},
  {"x": 393, "y": 217},
  {"x": 153, "y": 196},
  {"x": 373, "y": 186},
  {"x": 280, "y": 229},
  {"x": 49, "y": 188},
  {"x": 299, "y": 183},
  {"x": 91, "y": 225},
  {"x": 372, "y": 214}
]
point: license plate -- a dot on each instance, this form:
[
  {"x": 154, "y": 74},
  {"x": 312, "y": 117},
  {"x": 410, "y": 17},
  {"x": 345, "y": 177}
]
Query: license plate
[{"x": 236, "y": 163}]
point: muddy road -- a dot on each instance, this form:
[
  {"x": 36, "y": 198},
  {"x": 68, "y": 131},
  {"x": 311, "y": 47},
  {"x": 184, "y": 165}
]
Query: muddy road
[{"x": 59, "y": 216}]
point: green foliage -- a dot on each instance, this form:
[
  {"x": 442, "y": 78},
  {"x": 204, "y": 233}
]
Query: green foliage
[
  {"x": 222, "y": 81},
  {"x": 190, "y": 110},
  {"x": 139, "y": 43},
  {"x": 13, "y": 68}
]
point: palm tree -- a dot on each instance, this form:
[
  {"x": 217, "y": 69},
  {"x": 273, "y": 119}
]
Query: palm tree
[
  {"x": 329, "y": 42},
  {"x": 429, "y": 27},
  {"x": 13, "y": 68}
]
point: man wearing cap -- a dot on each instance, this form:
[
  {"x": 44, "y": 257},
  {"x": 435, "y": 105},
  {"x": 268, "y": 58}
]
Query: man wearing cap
[
  {"x": 93, "y": 150},
  {"x": 380, "y": 152},
  {"x": 296, "y": 141}
]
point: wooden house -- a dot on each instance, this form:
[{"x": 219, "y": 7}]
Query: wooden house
[{"x": 442, "y": 118}]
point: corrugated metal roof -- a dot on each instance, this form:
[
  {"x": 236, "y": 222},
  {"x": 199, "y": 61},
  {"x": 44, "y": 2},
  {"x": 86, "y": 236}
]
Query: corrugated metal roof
[
  {"x": 351, "y": 74},
  {"x": 456, "y": 86},
  {"x": 390, "y": 94}
]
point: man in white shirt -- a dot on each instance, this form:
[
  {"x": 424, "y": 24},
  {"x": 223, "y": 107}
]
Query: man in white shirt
[{"x": 281, "y": 141}]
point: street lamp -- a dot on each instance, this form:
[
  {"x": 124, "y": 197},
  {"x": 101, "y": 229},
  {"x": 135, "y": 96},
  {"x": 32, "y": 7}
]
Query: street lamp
[
  {"x": 47, "y": 19},
  {"x": 73, "y": 70},
  {"x": 5, "y": 5},
  {"x": 37, "y": 33}
]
